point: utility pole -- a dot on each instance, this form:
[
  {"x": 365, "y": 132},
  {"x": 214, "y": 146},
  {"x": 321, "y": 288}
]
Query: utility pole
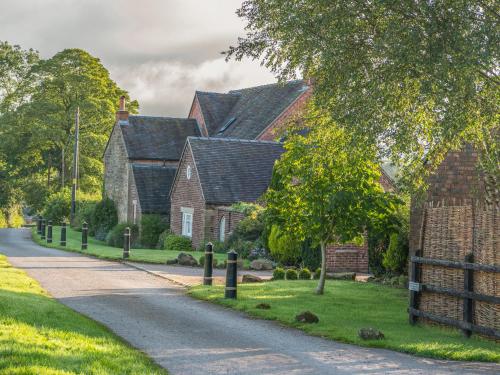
[{"x": 75, "y": 165}]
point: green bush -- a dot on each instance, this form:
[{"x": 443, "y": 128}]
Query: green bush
[
  {"x": 58, "y": 207},
  {"x": 105, "y": 218},
  {"x": 310, "y": 255},
  {"x": 115, "y": 235},
  {"x": 283, "y": 247},
  {"x": 305, "y": 274},
  {"x": 15, "y": 219},
  {"x": 396, "y": 257},
  {"x": 317, "y": 273},
  {"x": 161, "y": 239},
  {"x": 278, "y": 274},
  {"x": 177, "y": 243},
  {"x": 152, "y": 226},
  {"x": 292, "y": 274},
  {"x": 84, "y": 213}
]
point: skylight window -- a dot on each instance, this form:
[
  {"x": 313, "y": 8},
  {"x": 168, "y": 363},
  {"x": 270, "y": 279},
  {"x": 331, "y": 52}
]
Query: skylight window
[{"x": 228, "y": 123}]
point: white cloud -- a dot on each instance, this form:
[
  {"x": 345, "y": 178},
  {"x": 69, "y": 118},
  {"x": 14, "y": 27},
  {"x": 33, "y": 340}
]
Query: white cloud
[{"x": 161, "y": 51}]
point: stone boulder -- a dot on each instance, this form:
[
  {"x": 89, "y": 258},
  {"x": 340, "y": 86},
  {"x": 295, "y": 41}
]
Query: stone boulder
[
  {"x": 247, "y": 278},
  {"x": 307, "y": 317},
  {"x": 263, "y": 306},
  {"x": 341, "y": 276},
  {"x": 261, "y": 264},
  {"x": 370, "y": 334},
  {"x": 186, "y": 260},
  {"x": 172, "y": 261}
]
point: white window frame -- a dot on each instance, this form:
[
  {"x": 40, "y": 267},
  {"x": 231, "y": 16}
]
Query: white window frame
[
  {"x": 188, "y": 172},
  {"x": 222, "y": 229},
  {"x": 187, "y": 222}
]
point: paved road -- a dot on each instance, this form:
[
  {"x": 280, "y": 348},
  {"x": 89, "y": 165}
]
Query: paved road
[{"x": 193, "y": 337}]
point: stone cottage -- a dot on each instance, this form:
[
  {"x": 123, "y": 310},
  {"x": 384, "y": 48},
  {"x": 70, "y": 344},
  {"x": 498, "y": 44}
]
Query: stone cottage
[
  {"x": 213, "y": 174},
  {"x": 140, "y": 161}
]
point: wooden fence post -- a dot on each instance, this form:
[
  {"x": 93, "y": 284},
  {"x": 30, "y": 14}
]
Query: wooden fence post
[
  {"x": 468, "y": 287},
  {"x": 415, "y": 288}
]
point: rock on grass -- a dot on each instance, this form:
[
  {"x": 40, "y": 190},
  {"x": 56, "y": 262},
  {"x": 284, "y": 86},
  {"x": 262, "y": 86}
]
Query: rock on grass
[
  {"x": 370, "y": 334},
  {"x": 307, "y": 317}
]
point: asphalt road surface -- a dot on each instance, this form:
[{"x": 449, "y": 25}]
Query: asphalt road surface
[{"x": 187, "y": 336}]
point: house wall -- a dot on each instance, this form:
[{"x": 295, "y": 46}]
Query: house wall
[
  {"x": 213, "y": 222},
  {"x": 196, "y": 113},
  {"x": 456, "y": 179},
  {"x": 133, "y": 195},
  {"x": 188, "y": 193},
  {"x": 116, "y": 172},
  {"x": 274, "y": 130}
]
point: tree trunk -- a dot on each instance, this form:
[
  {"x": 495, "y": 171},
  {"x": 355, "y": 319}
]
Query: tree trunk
[{"x": 321, "y": 285}]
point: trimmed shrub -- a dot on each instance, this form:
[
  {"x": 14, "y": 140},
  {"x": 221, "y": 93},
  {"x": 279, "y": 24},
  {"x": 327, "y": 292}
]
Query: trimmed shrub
[
  {"x": 115, "y": 235},
  {"x": 283, "y": 247},
  {"x": 161, "y": 239},
  {"x": 177, "y": 243},
  {"x": 305, "y": 274},
  {"x": 292, "y": 274},
  {"x": 278, "y": 274},
  {"x": 152, "y": 226},
  {"x": 317, "y": 273},
  {"x": 105, "y": 218},
  {"x": 58, "y": 207},
  {"x": 396, "y": 256}
]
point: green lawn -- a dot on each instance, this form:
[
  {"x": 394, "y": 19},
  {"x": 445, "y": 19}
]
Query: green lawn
[
  {"x": 348, "y": 306},
  {"x": 101, "y": 250},
  {"x": 40, "y": 336}
]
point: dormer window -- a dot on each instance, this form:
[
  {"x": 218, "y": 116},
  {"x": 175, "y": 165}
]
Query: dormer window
[{"x": 188, "y": 172}]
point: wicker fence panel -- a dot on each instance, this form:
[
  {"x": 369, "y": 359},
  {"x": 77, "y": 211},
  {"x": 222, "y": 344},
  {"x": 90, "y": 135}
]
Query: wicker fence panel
[{"x": 487, "y": 251}]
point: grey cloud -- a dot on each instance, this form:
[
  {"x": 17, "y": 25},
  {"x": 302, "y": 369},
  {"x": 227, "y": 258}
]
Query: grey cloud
[{"x": 159, "y": 50}]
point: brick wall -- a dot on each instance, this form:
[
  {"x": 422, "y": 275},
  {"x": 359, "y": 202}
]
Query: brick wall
[
  {"x": 116, "y": 173},
  {"x": 196, "y": 113},
  {"x": 188, "y": 193},
  {"x": 213, "y": 225},
  {"x": 347, "y": 258},
  {"x": 456, "y": 179},
  {"x": 273, "y": 131}
]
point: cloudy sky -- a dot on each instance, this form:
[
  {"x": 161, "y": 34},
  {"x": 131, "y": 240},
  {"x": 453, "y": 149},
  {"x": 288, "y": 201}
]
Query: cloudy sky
[{"x": 161, "y": 51}]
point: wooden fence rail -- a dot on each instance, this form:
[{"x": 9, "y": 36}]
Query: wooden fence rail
[{"x": 468, "y": 295}]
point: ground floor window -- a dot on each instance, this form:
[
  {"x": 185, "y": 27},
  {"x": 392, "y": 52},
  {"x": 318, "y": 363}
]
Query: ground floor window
[{"x": 187, "y": 224}]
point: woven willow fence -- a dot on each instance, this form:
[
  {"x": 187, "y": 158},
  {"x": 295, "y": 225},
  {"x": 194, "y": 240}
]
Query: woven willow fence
[{"x": 455, "y": 276}]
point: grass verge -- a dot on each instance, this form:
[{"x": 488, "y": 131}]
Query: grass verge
[
  {"x": 348, "y": 306},
  {"x": 38, "y": 335},
  {"x": 99, "y": 249}
]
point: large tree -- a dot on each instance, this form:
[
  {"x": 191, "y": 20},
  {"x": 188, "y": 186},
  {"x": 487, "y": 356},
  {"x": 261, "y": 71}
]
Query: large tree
[
  {"x": 323, "y": 188},
  {"x": 39, "y": 132},
  {"x": 418, "y": 77}
]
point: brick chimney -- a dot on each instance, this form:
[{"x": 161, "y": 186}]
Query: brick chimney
[{"x": 122, "y": 114}]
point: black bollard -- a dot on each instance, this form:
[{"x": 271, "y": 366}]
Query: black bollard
[
  {"x": 42, "y": 235},
  {"x": 85, "y": 232},
  {"x": 209, "y": 256},
  {"x": 39, "y": 225},
  {"x": 231, "y": 274},
  {"x": 49, "y": 231},
  {"x": 63, "y": 234},
  {"x": 126, "y": 243}
]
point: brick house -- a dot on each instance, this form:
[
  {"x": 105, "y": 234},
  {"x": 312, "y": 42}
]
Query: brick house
[
  {"x": 252, "y": 113},
  {"x": 140, "y": 161},
  {"x": 213, "y": 174}
]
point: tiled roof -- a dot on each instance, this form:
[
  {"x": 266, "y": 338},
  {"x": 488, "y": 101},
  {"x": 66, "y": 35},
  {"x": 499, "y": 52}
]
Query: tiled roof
[
  {"x": 153, "y": 184},
  {"x": 234, "y": 170},
  {"x": 248, "y": 111},
  {"x": 157, "y": 138}
]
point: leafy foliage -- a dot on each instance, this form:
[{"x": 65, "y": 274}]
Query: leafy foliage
[
  {"x": 305, "y": 274},
  {"x": 283, "y": 247},
  {"x": 415, "y": 77},
  {"x": 3, "y": 220},
  {"x": 116, "y": 235},
  {"x": 58, "y": 207},
  {"x": 291, "y": 274},
  {"x": 104, "y": 219},
  {"x": 278, "y": 273},
  {"x": 323, "y": 188},
  {"x": 151, "y": 228},
  {"x": 178, "y": 243}
]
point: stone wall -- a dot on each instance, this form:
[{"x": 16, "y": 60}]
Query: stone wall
[
  {"x": 133, "y": 196},
  {"x": 116, "y": 171},
  {"x": 188, "y": 193}
]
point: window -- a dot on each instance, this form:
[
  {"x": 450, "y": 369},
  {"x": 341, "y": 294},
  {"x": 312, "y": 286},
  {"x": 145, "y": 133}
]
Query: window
[
  {"x": 188, "y": 172},
  {"x": 222, "y": 229},
  {"x": 187, "y": 224}
]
